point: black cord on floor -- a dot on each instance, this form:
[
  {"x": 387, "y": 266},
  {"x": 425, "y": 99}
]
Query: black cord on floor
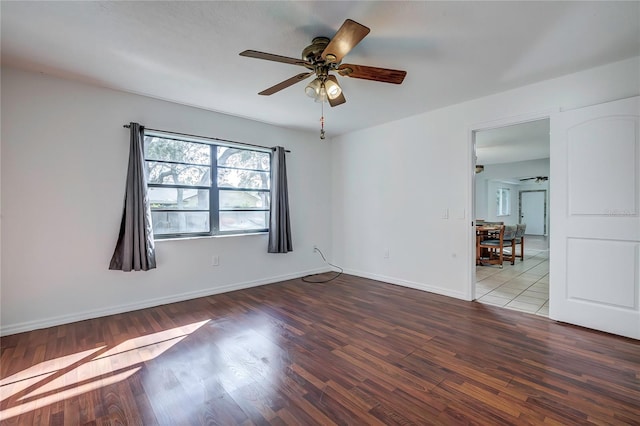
[{"x": 305, "y": 278}]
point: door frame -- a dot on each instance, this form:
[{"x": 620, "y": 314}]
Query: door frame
[
  {"x": 544, "y": 232},
  {"x": 471, "y": 158}
]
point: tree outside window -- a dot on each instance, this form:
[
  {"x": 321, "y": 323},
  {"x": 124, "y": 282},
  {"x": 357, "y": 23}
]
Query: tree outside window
[{"x": 503, "y": 202}]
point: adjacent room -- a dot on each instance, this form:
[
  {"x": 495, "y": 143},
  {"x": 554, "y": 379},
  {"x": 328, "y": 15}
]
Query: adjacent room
[
  {"x": 308, "y": 213},
  {"x": 512, "y": 188}
]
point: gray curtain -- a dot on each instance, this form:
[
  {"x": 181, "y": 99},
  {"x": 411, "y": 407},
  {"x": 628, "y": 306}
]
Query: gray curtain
[
  {"x": 135, "y": 249},
  {"x": 279, "y": 225}
]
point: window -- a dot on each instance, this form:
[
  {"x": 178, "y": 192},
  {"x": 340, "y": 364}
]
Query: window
[
  {"x": 504, "y": 202},
  {"x": 198, "y": 188}
]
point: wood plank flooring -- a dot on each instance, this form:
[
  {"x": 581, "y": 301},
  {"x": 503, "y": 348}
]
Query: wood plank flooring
[{"x": 351, "y": 351}]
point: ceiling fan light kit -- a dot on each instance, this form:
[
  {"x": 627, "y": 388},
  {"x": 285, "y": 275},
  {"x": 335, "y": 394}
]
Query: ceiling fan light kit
[
  {"x": 324, "y": 56},
  {"x": 322, "y": 91},
  {"x": 333, "y": 89}
]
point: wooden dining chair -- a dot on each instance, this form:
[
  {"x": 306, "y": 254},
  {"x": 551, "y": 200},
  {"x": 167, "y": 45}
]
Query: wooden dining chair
[
  {"x": 495, "y": 246},
  {"x": 490, "y": 248}
]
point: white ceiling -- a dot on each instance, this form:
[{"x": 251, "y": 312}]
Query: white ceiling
[
  {"x": 519, "y": 142},
  {"x": 187, "y": 52}
]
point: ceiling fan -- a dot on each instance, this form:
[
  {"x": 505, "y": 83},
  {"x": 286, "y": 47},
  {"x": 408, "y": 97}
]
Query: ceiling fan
[
  {"x": 537, "y": 178},
  {"x": 324, "y": 56}
]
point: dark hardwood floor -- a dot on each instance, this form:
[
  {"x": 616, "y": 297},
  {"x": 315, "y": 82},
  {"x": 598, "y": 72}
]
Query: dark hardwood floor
[{"x": 351, "y": 351}]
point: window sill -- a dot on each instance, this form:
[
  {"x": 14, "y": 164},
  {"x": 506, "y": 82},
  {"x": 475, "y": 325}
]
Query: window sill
[{"x": 200, "y": 237}]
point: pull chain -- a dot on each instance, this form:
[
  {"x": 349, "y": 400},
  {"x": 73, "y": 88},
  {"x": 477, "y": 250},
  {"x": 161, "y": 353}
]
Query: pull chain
[{"x": 322, "y": 122}]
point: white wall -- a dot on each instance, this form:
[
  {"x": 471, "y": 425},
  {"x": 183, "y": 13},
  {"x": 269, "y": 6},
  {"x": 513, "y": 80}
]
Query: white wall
[
  {"x": 393, "y": 184},
  {"x": 64, "y": 160}
]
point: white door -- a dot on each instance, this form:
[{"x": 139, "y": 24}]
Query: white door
[
  {"x": 595, "y": 198},
  {"x": 532, "y": 211}
]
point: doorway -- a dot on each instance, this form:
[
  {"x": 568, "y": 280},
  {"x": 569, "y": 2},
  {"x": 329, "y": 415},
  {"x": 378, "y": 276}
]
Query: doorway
[
  {"x": 532, "y": 210},
  {"x": 514, "y": 159}
]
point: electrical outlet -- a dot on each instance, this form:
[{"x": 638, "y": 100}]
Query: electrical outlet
[
  {"x": 315, "y": 248},
  {"x": 215, "y": 261},
  {"x": 386, "y": 253}
]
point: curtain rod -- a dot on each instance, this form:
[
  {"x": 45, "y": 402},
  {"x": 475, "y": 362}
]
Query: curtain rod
[{"x": 127, "y": 126}]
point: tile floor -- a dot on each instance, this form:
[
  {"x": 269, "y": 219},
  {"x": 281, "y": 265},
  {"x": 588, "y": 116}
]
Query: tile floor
[{"x": 523, "y": 286}]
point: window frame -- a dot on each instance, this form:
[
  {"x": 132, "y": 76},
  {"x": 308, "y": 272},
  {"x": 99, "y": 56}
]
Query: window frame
[{"x": 213, "y": 189}]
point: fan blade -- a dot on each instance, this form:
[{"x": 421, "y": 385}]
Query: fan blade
[
  {"x": 350, "y": 34},
  {"x": 272, "y": 57},
  {"x": 284, "y": 84},
  {"x": 522, "y": 180},
  {"x": 384, "y": 75},
  {"x": 340, "y": 99}
]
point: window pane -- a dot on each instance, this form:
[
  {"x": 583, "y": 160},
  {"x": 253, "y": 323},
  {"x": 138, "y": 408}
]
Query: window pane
[
  {"x": 243, "y": 159},
  {"x": 180, "y": 174},
  {"x": 179, "y": 222},
  {"x": 179, "y": 199},
  {"x": 231, "y": 178},
  {"x": 172, "y": 150},
  {"x": 243, "y": 221},
  {"x": 244, "y": 200}
]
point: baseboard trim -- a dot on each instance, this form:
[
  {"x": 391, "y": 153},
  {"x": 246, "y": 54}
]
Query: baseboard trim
[
  {"x": 6, "y": 330},
  {"x": 410, "y": 284}
]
